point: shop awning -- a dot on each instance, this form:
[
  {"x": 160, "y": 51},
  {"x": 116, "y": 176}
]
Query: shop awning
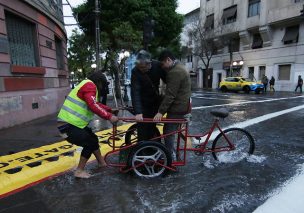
[
  {"x": 229, "y": 12},
  {"x": 291, "y": 34}
]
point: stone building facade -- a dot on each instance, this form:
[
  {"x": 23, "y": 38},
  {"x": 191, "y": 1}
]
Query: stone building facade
[
  {"x": 268, "y": 39},
  {"x": 33, "y": 60}
]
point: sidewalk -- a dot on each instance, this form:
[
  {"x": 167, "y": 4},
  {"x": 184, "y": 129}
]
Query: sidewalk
[{"x": 37, "y": 133}]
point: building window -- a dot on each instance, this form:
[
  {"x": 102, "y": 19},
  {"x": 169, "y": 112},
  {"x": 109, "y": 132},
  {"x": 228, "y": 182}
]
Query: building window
[
  {"x": 234, "y": 45},
  {"x": 251, "y": 73},
  {"x": 284, "y": 72},
  {"x": 190, "y": 37},
  {"x": 22, "y": 40},
  {"x": 229, "y": 15},
  {"x": 297, "y": 1},
  {"x": 209, "y": 24},
  {"x": 59, "y": 53},
  {"x": 257, "y": 41},
  {"x": 190, "y": 58},
  {"x": 262, "y": 71},
  {"x": 254, "y": 8},
  {"x": 291, "y": 35}
]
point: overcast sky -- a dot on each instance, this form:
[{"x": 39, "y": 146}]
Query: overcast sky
[{"x": 184, "y": 7}]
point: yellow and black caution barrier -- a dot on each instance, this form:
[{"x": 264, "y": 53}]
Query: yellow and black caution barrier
[{"x": 24, "y": 169}]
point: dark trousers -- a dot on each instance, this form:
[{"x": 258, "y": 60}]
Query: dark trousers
[
  {"x": 169, "y": 128},
  {"x": 299, "y": 86},
  {"x": 265, "y": 87},
  {"x": 145, "y": 131},
  {"x": 85, "y": 138}
]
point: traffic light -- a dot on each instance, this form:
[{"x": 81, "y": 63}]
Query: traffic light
[{"x": 148, "y": 31}]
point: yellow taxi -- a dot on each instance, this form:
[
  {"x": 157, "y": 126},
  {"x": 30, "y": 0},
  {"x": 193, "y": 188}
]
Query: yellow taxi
[{"x": 240, "y": 84}]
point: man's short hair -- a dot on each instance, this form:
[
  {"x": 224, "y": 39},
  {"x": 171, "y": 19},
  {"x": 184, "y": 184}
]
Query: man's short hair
[
  {"x": 143, "y": 56},
  {"x": 166, "y": 54}
]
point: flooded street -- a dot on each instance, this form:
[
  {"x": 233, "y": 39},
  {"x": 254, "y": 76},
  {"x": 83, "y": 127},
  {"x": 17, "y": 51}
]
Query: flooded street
[{"x": 203, "y": 185}]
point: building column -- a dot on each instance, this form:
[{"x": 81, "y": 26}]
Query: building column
[{"x": 200, "y": 78}]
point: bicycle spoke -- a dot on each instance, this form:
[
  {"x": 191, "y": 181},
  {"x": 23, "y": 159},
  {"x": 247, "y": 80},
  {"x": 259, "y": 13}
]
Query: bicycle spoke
[
  {"x": 140, "y": 158},
  {"x": 149, "y": 169},
  {"x": 157, "y": 155}
]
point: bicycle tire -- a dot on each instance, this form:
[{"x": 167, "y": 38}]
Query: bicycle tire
[
  {"x": 132, "y": 130},
  {"x": 149, "y": 148},
  {"x": 249, "y": 142}
]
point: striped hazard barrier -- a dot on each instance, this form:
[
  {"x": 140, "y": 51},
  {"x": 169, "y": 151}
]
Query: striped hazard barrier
[{"x": 27, "y": 168}]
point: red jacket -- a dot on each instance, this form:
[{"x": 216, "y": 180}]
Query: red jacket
[{"x": 88, "y": 93}]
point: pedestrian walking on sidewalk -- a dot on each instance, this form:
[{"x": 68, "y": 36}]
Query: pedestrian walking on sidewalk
[
  {"x": 77, "y": 111},
  {"x": 300, "y": 84},
  {"x": 265, "y": 82},
  {"x": 271, "y": 84}
]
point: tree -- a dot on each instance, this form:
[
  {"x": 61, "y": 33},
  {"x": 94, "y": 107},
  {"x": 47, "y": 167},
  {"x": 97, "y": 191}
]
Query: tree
[
  {"x": 205, "y": 46},
  {"x": 208, "y": 40},
  {"x": 80, "y": 54},
  {"x": 121, "y": 24}
]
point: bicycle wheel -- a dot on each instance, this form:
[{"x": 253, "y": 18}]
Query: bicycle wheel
[
  {"x": 131, "y": 134},
  {"x": 149, "y": 159},
  {"x": 240, "y": 138}
]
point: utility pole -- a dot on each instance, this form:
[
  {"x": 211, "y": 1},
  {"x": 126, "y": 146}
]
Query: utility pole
[
  {"x": 231, "y": 60},
  {"x": 97, "y": 34}
]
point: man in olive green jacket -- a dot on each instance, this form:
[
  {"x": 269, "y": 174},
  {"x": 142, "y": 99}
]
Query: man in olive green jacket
[{"x": 176, "y": 102}]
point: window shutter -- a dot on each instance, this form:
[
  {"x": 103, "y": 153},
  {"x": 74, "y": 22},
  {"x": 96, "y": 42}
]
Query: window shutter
[{"x": 21, "y": 37}]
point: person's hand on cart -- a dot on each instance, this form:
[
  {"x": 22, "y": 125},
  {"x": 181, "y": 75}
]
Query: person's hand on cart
[
  {"x": 139, "y": 117},
  {"x": 114, "y": 119},
  {"x": 115, "y": 111},
  {"x": 158, "y": 117}
]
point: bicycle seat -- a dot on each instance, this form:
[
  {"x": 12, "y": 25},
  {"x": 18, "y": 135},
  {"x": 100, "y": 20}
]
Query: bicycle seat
[{"x": 220, "y": 113}]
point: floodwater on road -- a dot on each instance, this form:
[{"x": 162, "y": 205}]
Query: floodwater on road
[{"x": 203, "y": 185}]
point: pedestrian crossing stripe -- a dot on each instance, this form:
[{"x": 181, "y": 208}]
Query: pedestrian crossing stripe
[{"x": 24, "y": 169}]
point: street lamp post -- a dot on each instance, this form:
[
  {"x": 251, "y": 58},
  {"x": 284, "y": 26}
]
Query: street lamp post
[
  {"x": 97, "y": 33},
  {"x": 126, "y": 97},
  {"x": 72, "y": 80}
]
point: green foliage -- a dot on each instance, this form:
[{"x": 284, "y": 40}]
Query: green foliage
[
  {"x": 121, "y": 23},
  {"x": 80, "y": 54}
]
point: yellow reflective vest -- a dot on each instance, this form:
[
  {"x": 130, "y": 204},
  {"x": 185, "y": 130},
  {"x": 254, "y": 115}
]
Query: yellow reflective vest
[{"x": 75, "y": 111}]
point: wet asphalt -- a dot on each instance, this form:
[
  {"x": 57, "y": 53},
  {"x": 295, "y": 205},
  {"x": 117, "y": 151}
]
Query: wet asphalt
[{"x": 203, "y": 185}]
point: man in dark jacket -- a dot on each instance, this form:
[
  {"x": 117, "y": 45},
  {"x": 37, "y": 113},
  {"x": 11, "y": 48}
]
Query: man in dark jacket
[
  {"x": 300, "y": 84},
  {"x": 176, "y": 102},
  {"x": 145, "y": 80},
  {"x": 105, "y": 89},
  {"x": 265, "y": 82},
  {"x": 271, "y": 84}
]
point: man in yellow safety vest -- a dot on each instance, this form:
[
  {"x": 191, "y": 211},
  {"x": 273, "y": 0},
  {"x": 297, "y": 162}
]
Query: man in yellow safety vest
[{"x": 76, "y": 113}]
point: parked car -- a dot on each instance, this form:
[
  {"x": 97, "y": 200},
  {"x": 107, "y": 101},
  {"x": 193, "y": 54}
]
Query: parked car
[{"x": 240, "y": 84}]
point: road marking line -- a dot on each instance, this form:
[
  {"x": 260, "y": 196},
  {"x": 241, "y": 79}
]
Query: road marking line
[
  {"x": 218, "y": 99},
  {"x": 289, "y": 198},
  {"x": 246, "y": 102},
  {"x": 253, "y": 121},
  {"x": 265, "y": 117}
]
